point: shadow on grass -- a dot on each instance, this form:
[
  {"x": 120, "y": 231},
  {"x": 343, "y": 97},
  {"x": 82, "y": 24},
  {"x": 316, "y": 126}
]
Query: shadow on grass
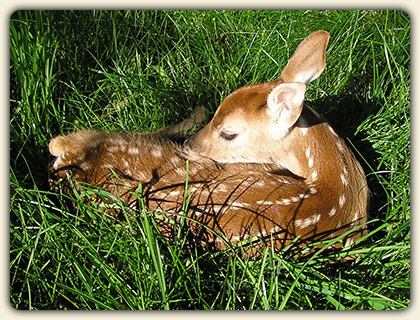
[{"x": 345, "y": 113}]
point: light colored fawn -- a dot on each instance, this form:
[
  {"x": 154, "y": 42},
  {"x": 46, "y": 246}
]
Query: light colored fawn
[{"x": 265, "y": 169}]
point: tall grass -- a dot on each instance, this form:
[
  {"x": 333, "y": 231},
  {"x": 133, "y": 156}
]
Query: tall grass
[{"x": 142, "y": 70}]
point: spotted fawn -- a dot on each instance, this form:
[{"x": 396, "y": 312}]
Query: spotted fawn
[{"x": 265, "y": 171}]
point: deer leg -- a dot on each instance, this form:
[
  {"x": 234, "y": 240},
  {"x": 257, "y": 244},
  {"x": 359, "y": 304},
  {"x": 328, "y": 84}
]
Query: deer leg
[{"x": 196, "y": 120}]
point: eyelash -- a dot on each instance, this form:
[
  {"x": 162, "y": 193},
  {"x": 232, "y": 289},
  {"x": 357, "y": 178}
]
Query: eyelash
[{"x": 227, "y": 136}]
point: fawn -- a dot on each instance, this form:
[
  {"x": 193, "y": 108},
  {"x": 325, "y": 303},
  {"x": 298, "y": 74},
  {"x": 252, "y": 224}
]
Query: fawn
[{"x": 265, "y": 170}]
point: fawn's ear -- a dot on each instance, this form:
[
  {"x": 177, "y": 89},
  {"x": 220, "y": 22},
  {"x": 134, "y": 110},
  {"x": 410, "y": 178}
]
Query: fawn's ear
[
  {"x": 308, "y": 60},
  {"x": 285, "y": 103}
]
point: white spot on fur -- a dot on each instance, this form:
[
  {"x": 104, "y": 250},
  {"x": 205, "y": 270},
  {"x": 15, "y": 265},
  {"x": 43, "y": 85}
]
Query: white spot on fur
[
  {"x": 236, "y": 239},
  {"x": 340, "y": 146},
  {"x": 174, "y": 160},
  {"x": 310, "y": 159},
  {"x": 305, "y": 251},
  {"x": 311, "y": 162},
  {"x": 342, "y": 200},
  {"x": 114, "y": 148},
  {"x": 295, "y": 199},
  {"x": 283, "y": 201},
  {"x": 304, "y": 223},
  {"x": 273, "y": 230},
  {"x": 240, "y": 204},
  {"x": 174, "y": 193},
  {"x": 304, "y": 130},
  {"x": 193, "y": 189},
  {"x": 332, "y": 212},
  {"x": 312, "y": 190},
  {"x": 85, "y": 166},
  {"x": 356, "y": 217},
  {"x": 221, "y": 188},
  {"x": 314, "y": 175},
  {"x": 122, "y": 146},
  {"x": 343, "y": 179},
  {"x": 157, "y": 152},
  {"x": 304, "y": 195},
  {"x": 264, "y": 202},
  {"x": 263, "y": 233},
  {"x": 133, "y": 150},
  {"x": 180, "y": 171},
  {"x": 220, "y": 209}
]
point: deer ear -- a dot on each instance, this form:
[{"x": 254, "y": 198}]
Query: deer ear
[
  {"x": 285, "y": 103},
  {"x": 308, "y": 60}
]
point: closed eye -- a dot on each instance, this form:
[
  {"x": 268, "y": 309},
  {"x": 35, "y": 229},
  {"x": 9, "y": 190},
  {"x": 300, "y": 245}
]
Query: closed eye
[{"x": 228, "y": 136}]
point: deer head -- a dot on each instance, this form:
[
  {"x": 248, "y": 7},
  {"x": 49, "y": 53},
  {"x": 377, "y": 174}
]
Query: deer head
[{"x": 256, "y": 122}]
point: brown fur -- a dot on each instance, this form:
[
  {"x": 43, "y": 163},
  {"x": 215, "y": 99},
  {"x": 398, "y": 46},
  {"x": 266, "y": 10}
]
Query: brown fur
[{"x": 273, "y": 187}]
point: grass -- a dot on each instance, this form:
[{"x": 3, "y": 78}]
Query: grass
[{"x": 143, "y": 70}]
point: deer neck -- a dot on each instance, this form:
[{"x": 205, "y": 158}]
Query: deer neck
[{"x": 315, "y": 152}]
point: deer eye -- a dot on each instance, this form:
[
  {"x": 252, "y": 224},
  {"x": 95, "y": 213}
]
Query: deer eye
[{"x": 228, "y": 136}]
